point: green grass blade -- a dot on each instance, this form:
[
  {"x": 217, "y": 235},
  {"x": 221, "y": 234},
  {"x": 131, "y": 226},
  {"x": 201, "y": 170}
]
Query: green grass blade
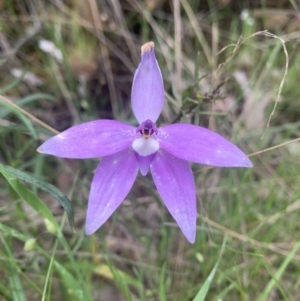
[
  {"x": 10, "y": 232},
  {"x": 47, "y": 283},
  {"x": 16, "y": 287},
  {"x": 4, "y": 291},
  {"x": 49, "y": 272},
  {"x": 120, "y": 281},
  {"x": 57, "y": 194},
  {"x": 275, "y": 278},
  {"x": 14, "y": 83},
  {"x": 162, "y": 284},
  {"x": 76, "y": 290},
  {"x": 204, "y": 289}
]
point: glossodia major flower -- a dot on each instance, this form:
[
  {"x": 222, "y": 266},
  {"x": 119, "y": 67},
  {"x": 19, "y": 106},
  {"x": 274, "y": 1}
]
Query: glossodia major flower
[{"x": 125, "y": 149}]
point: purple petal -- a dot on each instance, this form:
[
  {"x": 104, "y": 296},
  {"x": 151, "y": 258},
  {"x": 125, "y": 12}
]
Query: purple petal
[
  {"x": 112, "y": 181},
  {"x": 174, "y": 181},
  {"x": 147, "y": 95},
  {"x": 144, "y": 162},
  {"x": 90, "y": 139},
  {"x": 200, "y": 145}
]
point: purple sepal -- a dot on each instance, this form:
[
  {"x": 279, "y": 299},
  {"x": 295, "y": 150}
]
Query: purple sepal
[
  {"x": 147, "y": 94},
  {"x": 174, "y": 181},
  {"x": 197, "y": 144},
  {"x": 90, "y": 140},
  {"x": 112, "y": 181},
  {"x": 144, "y": 162}
]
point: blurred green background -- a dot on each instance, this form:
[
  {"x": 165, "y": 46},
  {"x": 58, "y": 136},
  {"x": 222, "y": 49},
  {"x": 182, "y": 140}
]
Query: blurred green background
[{"x": 65, "y": 62}]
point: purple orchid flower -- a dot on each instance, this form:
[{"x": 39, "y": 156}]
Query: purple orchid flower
[{"x": 126, "y": 149}]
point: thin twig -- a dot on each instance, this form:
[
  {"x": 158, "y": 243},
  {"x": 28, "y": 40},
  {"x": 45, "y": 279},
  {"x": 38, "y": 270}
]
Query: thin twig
[
  {"x": 273, "y": 147},
  {"x": 29, "y": 115},
  {"x": 245, "y": 238},
  {"x": 178, "y": 51},
  {"x": 243, "y": 40}
]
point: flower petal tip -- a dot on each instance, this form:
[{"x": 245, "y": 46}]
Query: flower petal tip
[
  {"x": 147, "y": 47},
  {"x": 190, "y": 234},
  {"x": 40, "y": 150},
  {"x": 247, "y": 163},
  {"x": 250, "y": 165},
  {"x": 191, "y": 239},
  {"x": 89, "y": 230}
]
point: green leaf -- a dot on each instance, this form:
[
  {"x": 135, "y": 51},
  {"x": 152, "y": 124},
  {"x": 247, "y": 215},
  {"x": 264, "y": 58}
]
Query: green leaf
[
  {"x": 57, "y": 194},
  {"x": 28, "y": 196},
  {"x": 205, "y": 287}
]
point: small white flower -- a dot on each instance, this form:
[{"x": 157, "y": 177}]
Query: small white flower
[
  {"x": 29, "y": 77},
  {"x": 49, "y": 47},
  {"x": 245, "y": 16}
]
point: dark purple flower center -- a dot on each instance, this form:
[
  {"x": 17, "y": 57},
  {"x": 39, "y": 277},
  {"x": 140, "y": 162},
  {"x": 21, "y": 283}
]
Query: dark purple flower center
[{"x": 147, "y": 128}]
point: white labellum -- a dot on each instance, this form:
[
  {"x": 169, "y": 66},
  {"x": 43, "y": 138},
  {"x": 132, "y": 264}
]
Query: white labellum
[{"x": 145, "y": 147}]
